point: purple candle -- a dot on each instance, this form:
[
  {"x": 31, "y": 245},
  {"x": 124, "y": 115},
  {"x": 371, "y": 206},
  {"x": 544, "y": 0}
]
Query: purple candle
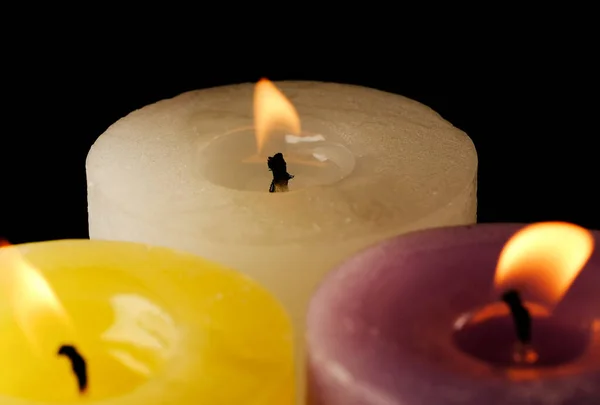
[{"x": 479, "y": 315}]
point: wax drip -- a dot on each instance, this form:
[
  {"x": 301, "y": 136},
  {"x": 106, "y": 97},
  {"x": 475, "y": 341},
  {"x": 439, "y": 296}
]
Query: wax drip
[
  {"x": 278, "y": 166},
  {"x": 77, "y": 364}
]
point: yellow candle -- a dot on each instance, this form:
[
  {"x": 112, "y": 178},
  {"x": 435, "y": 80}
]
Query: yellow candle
[{"x": 154, "y": 326}]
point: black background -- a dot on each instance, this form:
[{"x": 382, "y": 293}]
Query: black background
[{"x": 528, "y": 106}]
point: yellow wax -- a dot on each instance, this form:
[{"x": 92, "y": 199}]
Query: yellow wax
[{"x": 155, "y": 326}]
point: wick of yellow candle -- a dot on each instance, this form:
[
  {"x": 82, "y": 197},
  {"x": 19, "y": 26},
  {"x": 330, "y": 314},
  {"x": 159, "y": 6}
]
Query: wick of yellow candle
[{"x": 78, "y": 365}]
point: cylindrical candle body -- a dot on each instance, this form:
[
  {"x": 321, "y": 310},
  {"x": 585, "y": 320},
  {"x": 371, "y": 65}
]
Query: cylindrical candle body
[
  {"x": 380, "y": 328},
  {"x": 154, "y": 326},
  {"x": 413, "y": 170}
]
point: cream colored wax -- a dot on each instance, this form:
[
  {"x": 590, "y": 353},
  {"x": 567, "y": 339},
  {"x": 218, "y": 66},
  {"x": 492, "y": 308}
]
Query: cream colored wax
[{"x": 149, "y": 181}]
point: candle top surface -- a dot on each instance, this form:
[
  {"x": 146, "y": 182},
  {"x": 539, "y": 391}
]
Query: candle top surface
[
  {"x": 408, "y": 163},
  {"x": 153, "y": 326},
  {"x": 400, "y": 304}
]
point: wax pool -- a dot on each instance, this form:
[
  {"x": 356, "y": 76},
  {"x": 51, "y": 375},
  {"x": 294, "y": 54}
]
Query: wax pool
[
  {"x": 154, "y": 326},
  {"x": 382, "y": 329},
  {"x": 173, "y": 174}
]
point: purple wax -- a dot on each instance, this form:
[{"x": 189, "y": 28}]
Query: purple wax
[{"x": 383, "y": 329}]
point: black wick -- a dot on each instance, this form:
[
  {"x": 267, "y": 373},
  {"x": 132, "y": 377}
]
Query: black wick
[
  {"x": 281, "y": 177},
  {"x": 520, "y": 315},
  {"x": 77, "y": 364}
]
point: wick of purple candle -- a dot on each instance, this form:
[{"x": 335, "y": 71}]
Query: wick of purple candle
[
  {"x": 520, "y": 315},
  {"x": 278, "y": 166},
  {"x": 77, "y": 364}
]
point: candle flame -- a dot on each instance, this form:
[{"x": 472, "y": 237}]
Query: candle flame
[
  {"x": 32, "y": 300},
  {"x": 542, "y": 260},
  {"x": 272, "y": 111}
]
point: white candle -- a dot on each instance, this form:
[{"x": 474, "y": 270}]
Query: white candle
[{"x": 182, "y": 173}]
